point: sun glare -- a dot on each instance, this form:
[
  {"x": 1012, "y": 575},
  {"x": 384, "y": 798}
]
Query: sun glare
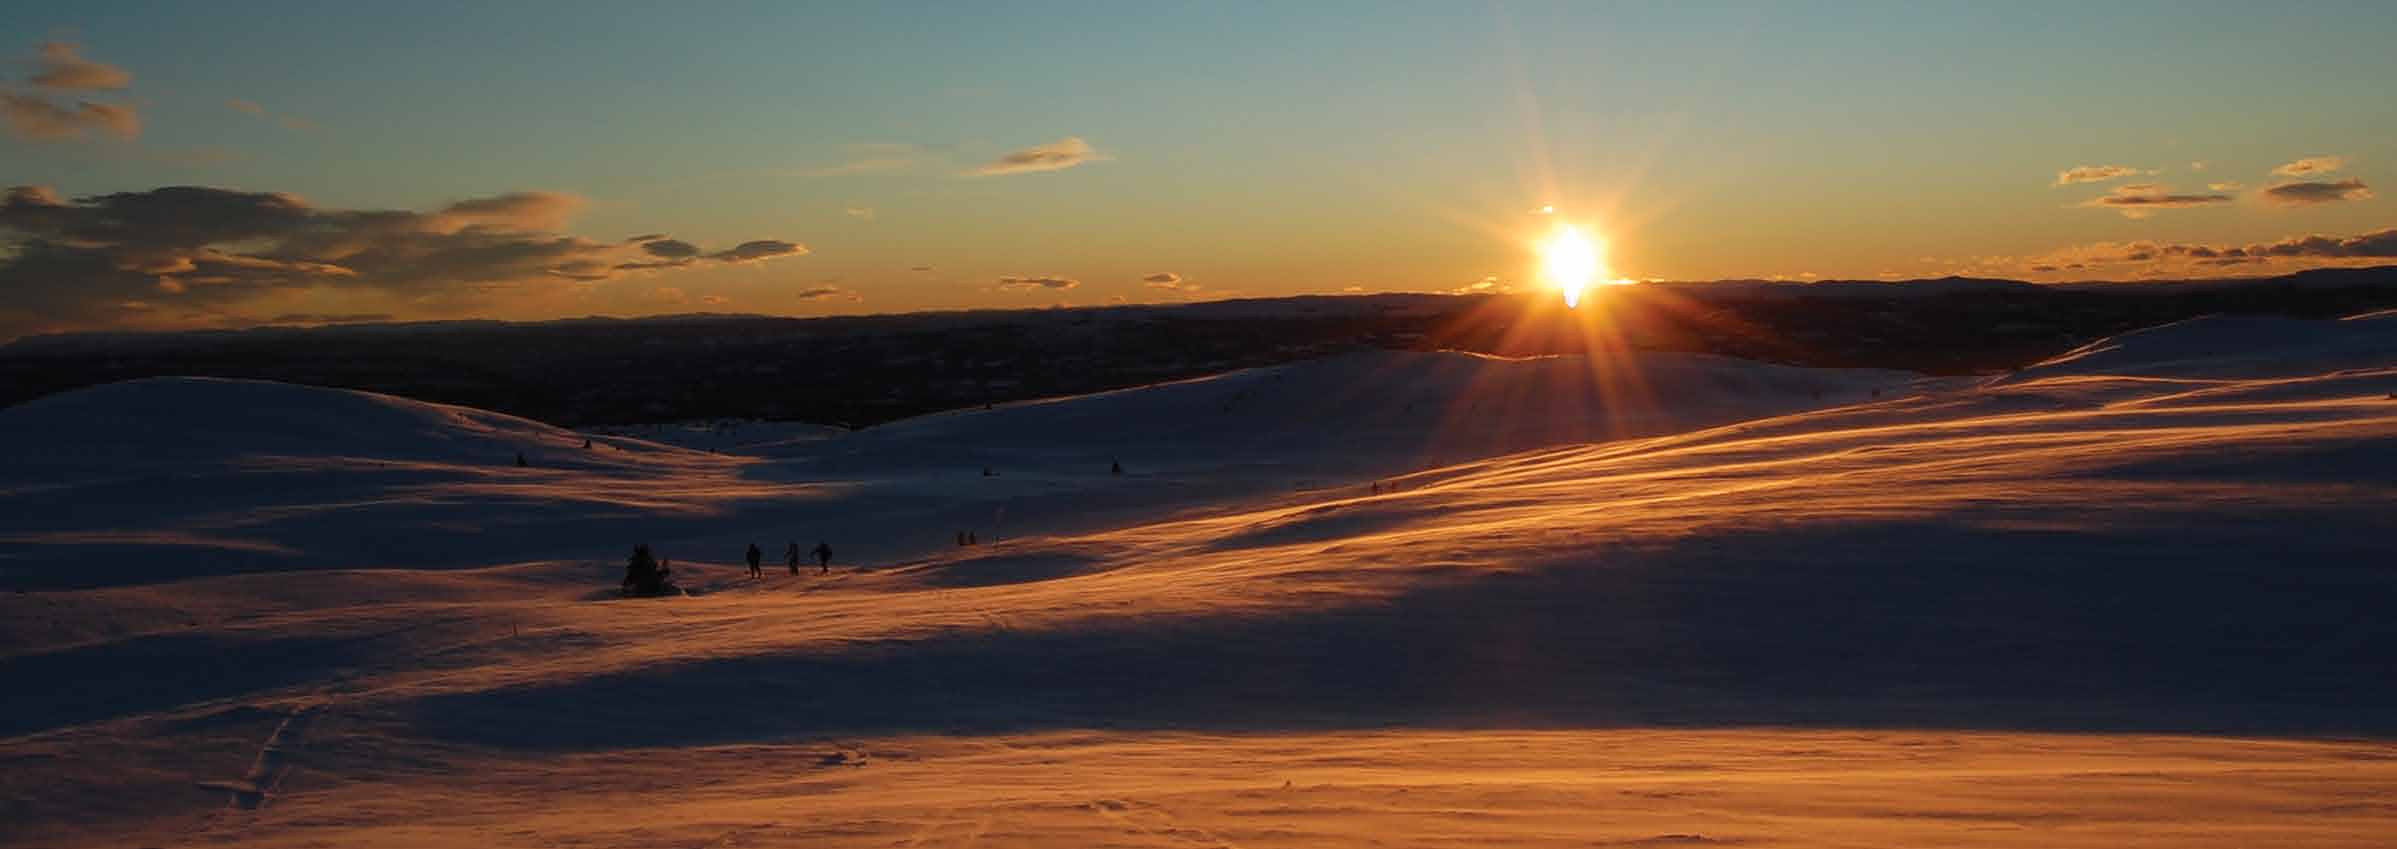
[{"x": 1571, "y": 262}]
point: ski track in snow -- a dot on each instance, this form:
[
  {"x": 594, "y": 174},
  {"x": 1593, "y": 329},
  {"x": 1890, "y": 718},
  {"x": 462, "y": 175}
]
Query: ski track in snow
[{"x": 2129, "y": 597}]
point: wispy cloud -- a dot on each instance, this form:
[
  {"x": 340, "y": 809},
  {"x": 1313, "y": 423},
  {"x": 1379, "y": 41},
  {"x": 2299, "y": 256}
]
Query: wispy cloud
[
  {"x": 676, "y": 253},
  {"x": 2094, "y": 174},
  {"x": 512, "y": 211},
  {"x": 2311, "y": 166},
  {"x": 2309, "y": 249},
  {"x": 1020, "y": 284},
  {"x": 2138, "y": 200},
  {"x": 827, "y": 293},
  {"x": 1055, "y": 156},
  {"x": 36, "y": 118},
  {"x": 2308, "y": 194},
  {"x": 61, "y": 67},
  {"x": 1168, "y": 281}
]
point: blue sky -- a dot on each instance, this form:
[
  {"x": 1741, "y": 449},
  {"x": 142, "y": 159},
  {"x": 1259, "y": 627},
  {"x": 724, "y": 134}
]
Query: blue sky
[{"x": 1245, "y": 148}]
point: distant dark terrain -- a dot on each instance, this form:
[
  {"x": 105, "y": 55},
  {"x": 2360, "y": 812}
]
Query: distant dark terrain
[{"x": 859, "y": 371}]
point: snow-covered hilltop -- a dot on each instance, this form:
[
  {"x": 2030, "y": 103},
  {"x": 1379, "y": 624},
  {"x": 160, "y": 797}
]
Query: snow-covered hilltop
[{"x": 1688, "y": 599}]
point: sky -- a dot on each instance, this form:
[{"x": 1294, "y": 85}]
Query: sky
[{"x": 216, "y": 165}]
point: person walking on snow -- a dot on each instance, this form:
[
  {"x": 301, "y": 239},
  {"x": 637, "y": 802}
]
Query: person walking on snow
[
  {"x": 754, "y": 557},
  {"x": 790, "y": 556},
  {"x": 823, "y": 558}
]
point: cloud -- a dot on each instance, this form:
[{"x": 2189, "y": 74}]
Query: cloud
[
  {"x": 2094, "y": 174},
  {"x": 2310, "y": 249},
  {"x": 762, "y": 249},
  {"x": 1019, "y": 284},
  {"x": 2311, "y": 166},
  {"x": 61, "y": 67},
  {"x": 240, "y": 105},
  {"x": 516, "y": 210},
  {"x": 821, "y": 293},
  {"x": 2138, "y": 200},
  {"x": 2307, "y": 194},
  {"x": 2379, "y": 244},
  {"x": 860, "y": 212},
  {"x": 37, "y": 119},
  {"x": 1055, "y": 156},
  {"x": 2231, "y": 186},
  {"x": 669, "y": 248},
  {"x": 920, "y": 268},
  {"x": 1170, "y": 282},
  {"x": 676, "y": 253},
  {"x": 79, "y": 262}
]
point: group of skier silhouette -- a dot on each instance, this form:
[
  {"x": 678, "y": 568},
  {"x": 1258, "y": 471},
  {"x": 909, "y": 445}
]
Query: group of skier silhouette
[
  {"x": 646, "y": 574},
  {"x": 790, "y": 557}
]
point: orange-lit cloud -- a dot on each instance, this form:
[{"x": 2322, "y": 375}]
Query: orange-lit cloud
[
  {"x": 1020, "y": 284},
  {"x": 2094, "y": 174},
  {"x": 2138, "y": 200},
  {"x": 2307, "y": 194},
  {"x": 2316, "y": 248},
  {"x": 37, "y": 119},
  {"x": 2311, "y": 166},
  {"x": 514, "y": 210},
  {"x": 61, "y": 67},
  {"x": 762, "y": 249},
  {"x": 1055, "y": 156},
  {"x": 823, "y": 293}
]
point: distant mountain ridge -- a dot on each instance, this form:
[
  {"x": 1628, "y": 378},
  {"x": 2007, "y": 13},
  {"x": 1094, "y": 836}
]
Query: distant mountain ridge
[
  {"x": 855, "y": 371},
  {"x": 1358, "y": 303}
]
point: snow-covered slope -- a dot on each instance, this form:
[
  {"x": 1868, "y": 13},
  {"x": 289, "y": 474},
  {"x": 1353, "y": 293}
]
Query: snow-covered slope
[
  {"x": 170, "y": 478},
  {"x": 2117, "y": 600},
  {"x": 2231, "y": 347}
]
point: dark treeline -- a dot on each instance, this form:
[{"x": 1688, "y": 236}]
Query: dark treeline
[{"x": 858, "y": 371}]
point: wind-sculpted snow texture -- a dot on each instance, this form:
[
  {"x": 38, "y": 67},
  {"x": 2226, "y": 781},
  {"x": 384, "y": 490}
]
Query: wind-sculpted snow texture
[{"x": 2133, "y": 596}]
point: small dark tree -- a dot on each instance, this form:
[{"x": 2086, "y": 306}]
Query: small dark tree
[{"x": 643, "y": 576}]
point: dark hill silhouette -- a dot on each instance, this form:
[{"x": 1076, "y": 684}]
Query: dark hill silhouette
[{"x": 863, "y": 370}]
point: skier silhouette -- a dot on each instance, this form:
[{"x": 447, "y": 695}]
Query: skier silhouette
[
  {"x": 823, "y": 558},
  {"x": 790, "y": 556},
  {"x": 755, "y": 556}
]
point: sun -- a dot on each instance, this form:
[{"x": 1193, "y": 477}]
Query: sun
[{"x": 1572, "y": 261}]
